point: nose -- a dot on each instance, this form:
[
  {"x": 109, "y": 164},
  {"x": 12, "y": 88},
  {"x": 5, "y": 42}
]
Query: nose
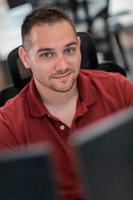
[{"x": 61, "y": 63}]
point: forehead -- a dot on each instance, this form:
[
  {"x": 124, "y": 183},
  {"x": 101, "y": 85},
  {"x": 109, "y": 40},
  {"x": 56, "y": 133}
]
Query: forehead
[{"x": 48, "y": 35}]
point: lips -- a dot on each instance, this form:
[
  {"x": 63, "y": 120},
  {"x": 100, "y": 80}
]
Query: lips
[{"x": 61, "y": 76}]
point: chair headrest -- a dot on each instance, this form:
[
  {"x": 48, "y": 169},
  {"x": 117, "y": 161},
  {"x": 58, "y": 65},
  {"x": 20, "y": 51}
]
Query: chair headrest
[
  {"x": 88, "y": 51},
  {"x": 20, "y": 75}
]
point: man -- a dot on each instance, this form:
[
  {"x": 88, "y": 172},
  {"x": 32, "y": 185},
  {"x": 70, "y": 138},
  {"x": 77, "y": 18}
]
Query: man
[{"x": 60, "y": 98}]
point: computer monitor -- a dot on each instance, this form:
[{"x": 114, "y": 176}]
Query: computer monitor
[
  {"x": 105, "y": 157},
  {"x": 15, "y": 3},
  {"x": 27, "y": 175}
]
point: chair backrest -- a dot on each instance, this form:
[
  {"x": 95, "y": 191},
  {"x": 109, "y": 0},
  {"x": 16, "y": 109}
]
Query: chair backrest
[
  {"x": 111, "y": 66},
  {"x": 88, "y": 51},
  {"x": 20, "y": 75}
]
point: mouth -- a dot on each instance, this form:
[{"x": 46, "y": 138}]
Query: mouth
[{"x": 62, "y": 76}]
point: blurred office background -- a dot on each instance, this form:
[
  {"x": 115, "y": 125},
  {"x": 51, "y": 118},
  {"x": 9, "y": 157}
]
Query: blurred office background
[{"x": 110, "y": 22}]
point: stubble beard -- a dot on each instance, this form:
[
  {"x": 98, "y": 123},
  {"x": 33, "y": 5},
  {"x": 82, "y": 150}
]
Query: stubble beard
[{"x": 63, "y": 87}]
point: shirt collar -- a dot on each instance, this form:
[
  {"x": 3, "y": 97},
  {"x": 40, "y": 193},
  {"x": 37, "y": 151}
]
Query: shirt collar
[
  {"x": 87, "y": 94},
  {"x": 36, "y": 106}
]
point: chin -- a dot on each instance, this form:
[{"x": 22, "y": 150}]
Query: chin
[{"x": 63, "y": 88}]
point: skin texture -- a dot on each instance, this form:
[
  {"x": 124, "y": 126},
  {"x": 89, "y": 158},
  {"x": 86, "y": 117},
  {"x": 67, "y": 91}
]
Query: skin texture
[{"x": 54, "y": 64}]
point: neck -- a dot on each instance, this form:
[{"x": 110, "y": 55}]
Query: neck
[
  {"x": 57, "y": 99},
  {"x": 60, "y": 104}
]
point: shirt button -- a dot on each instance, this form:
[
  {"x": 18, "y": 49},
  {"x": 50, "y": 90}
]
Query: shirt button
[{"x": 62, "y": 127}]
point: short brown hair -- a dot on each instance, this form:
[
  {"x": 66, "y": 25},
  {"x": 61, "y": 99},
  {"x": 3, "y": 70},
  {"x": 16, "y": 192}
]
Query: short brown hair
[{"x": 40, "y": 15}]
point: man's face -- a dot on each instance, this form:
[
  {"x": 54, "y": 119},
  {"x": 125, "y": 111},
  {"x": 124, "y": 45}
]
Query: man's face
[{"x": 54, "y": 56}]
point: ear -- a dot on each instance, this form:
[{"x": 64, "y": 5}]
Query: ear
[{"x": 24, "y": 57}]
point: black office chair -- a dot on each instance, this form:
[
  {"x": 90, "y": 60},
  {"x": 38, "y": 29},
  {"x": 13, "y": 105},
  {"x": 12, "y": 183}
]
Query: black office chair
[
  {"x": 88, "y": 51},
  {"x": 21, "y": 76},
  {"x": 90, "y": 59},
  {"x": 111, "y": 66}
]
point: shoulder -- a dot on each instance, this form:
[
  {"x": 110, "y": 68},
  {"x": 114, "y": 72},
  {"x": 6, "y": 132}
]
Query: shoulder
[
  {"x": 109, "y": 84},
  {"x": 99, "y": 74},
  {"x": 104, "y": 77},
  {"x": 15, "y": 106},
  {"x": 11, "y": 123}
]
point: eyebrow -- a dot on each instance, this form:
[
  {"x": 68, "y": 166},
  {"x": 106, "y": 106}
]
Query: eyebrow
[{"x": 51, "y": 49}]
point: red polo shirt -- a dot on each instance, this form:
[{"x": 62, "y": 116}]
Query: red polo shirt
[{"x": 24, "y": 120}]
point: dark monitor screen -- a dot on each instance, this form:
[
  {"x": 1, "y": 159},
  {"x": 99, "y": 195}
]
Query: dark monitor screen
[
  {"x": 26, "y": 175},
  {"x": 105, "y": 152},
  {"x": 15, "y": 3}
]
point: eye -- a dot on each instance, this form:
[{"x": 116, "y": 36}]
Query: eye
[
  {"x": 47, "y": 55},
  {"x": 70, "y": 50}
]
